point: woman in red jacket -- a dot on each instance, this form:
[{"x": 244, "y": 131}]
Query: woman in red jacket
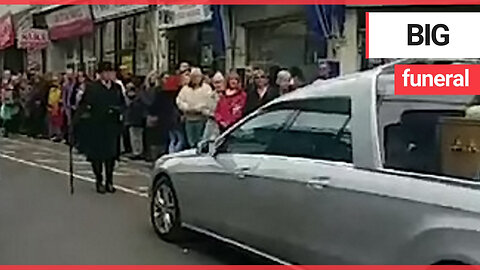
[{"x": 231, "y": 104}]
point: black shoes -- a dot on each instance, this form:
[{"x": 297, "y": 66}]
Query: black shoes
[
  {"x": 109, "y": 188},
  {"x": 100, "y": 188}
]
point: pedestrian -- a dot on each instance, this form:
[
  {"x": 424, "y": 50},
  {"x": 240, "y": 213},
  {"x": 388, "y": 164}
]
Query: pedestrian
[
  {"x": 6, "y": 77},
  {"x": 163, "y": 110},
  {"x": 211, "y": 127},
  {"x": 37, "y": 106},
  {"x": 231, "y": 104},
  {"x": 261, "y": 93},
  {"x": 55, "y": 114},
  {"x": 176, "y": 134},
  {"x": 24, "y": 92},
  {"x": 194, "y": 101},
  {"x": 298, "y": 79},
  {"x": 82, "y": 81},
  {"x": 323, "y": 72},
  {"x": 101, "y": 111},
  {"x": 178, "y": 80},
  {"x": 78, "y": 132},
  {"x": 16, "y": 112},
  {"x": 152, "y": 126},
  {"x": 135, "y": 117},
  {"x": 68, "y": 89},
  {"x": 6, "y": 110},
  {"x": 122, "y": 77},
  {"x": 273, "y": 72},
  {"x": 284, "y": 82}
]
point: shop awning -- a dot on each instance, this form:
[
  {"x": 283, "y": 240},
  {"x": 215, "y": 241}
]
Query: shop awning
[
  {"x": 69, "y": 22},
  {"x": 109, "y": 12},
  {"x": 7, "y": 34}
]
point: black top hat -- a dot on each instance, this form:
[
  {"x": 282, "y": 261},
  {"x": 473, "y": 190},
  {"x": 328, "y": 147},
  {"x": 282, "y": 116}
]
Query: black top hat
[{"x": 105, "y": 66}]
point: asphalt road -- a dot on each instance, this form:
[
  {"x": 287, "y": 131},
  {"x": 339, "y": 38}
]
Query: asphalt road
[{"x": 41, "y": 223}]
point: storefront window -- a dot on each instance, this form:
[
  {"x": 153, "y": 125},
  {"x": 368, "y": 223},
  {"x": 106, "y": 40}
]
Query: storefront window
[
  {"x": 128, "y": 36},
  {"x": 145, "y": 42},
  {"x": 89, "y": 58},
  {"x": 109, "y": 40},
  {"x": 72, "y": 53},
  {"x": 98, "y": 42},
  {"x": 267, "y": 44}
]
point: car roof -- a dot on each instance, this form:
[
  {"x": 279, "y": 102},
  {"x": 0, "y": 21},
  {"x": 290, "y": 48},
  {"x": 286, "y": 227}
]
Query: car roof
[
  {"x": 383, "y": 79},
  {"x": 340, "y": 86}
]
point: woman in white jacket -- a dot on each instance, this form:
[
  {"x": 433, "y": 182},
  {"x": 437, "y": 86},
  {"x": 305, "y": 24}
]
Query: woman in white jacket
[{"x": 195, "y": 101}]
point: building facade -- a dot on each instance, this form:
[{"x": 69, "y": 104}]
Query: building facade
[{"x": 142, "y": 37}]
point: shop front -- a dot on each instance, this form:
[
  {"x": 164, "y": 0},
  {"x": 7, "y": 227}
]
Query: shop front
[
  {"x": 125, "y": 36},
  {"x": 195, "y": 33},
  {"x": 71, "y": 31},
  {"x": 33, "y": 41},
  {"x": 267, "y": 36},
  {"x": 294, "y": 36}
]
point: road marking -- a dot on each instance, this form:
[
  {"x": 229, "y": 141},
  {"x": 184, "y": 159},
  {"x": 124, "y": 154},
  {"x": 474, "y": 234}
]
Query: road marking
[
  {"x": 145, "y": 195},
  {"x": 40, "y": 154},
  {"x": 240, "y": 245},
  {"x": 143, "y": 188},
  {"x": 89, "y": 172},
  {"x": 63, "y": 153},
  {"x": 58, "y": 171},
  {"x": 47, "y": 160},
  {"x": 81, "y": 162}
]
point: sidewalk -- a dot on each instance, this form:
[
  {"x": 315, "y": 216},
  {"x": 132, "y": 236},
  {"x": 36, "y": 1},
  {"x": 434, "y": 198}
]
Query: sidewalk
[{"x": 130, "y": 174}]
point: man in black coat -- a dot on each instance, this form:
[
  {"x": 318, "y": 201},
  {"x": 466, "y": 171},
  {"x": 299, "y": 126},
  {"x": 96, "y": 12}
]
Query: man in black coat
[
  {"x": 100, "y": 114},
  {"x": 261, "y": 92}
]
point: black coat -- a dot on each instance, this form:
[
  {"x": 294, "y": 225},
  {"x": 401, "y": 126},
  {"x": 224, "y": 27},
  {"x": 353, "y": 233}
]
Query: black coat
[
  {"x": 99, "y": 120},
  {"x": 163, "y": 107},
  {"x": 254, "y": 101},
  {"x": 136, "y": 111}
]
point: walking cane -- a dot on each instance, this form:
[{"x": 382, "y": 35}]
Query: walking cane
[{"x": 70, "y": 151}]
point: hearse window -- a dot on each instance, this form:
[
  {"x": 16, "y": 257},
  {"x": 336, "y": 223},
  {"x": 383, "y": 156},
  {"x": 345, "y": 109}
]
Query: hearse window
[
  {"x": 320, "y": 130},
  {"x": 432, "y": 135}
]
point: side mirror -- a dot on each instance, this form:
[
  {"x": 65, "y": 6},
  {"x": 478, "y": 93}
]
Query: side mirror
[{"x": 206, "y": 147}]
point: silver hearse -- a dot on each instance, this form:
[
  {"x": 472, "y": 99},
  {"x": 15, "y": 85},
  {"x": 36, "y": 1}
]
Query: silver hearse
[{"x": 339, "y": 172}]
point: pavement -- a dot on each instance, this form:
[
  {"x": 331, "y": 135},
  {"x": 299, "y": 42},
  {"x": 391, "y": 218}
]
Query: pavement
[{"x": 42, "y": 223}]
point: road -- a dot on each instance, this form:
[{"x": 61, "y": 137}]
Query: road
[{"x": 41, "y": 223}]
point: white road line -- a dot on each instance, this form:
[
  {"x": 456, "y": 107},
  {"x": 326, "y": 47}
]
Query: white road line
[
  {"x": 76, "y": 157},
  {"x": 58, "y": 171},
  {"x": 46, "y": 160},
  {"x": 40, "y": 154},
  {"x": 143, "y": 188},
  {"x": 145, "y": 195},
  {"x": 81, "y": 162}
]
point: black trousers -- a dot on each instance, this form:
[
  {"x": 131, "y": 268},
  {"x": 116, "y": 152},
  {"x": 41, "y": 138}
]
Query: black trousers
[
  {"x": 97, "y": 166},
  {"x": 7, "y": 127}
]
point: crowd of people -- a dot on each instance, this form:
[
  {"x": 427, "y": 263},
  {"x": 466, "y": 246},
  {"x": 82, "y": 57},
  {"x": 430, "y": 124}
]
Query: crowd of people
[{"x": 162, "y": 113}]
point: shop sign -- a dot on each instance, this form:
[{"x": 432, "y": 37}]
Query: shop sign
[
  {"x": 179, "y": 15},
  {"x": 72, "y": 21},
  {"x": 33, "y": 39},
  {"x": 106, "y": 12},
  {"x": 7, "y": 35}
]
